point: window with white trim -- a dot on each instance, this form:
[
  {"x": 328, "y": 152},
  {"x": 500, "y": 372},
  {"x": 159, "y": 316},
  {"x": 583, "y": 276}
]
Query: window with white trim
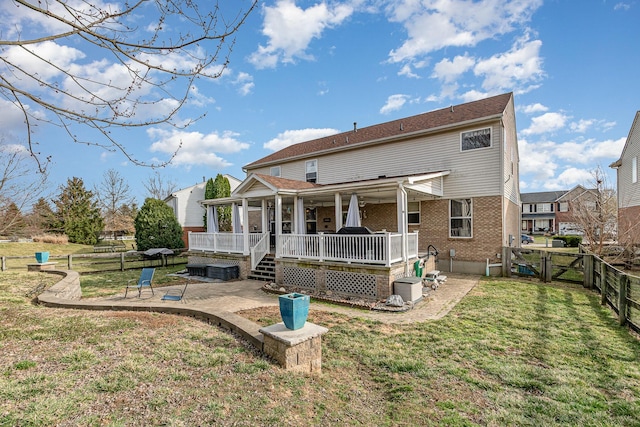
[
  {"x": 544, "y": 207},
  {"x": 480, "y": 138},
  {"x": 634, "y": 170},
  {"x": 274, "y": 171},
  {"x": 413, "y": 212},
  {"x": 311, "y": 170},
  {"x": 563, "y": 206},
  {"x": 460, "y": 218}
]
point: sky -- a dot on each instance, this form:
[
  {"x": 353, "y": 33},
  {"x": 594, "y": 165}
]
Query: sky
[{"x": 305, "y": 69}]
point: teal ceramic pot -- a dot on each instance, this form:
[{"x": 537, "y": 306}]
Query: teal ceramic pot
[
  {"x": 294, "y": 309},
  {"x": 42, "y": 257}
]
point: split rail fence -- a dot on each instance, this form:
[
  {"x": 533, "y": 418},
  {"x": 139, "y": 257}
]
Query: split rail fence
[
  {"x": 95, "y": 263},
  {"x": 618, "y": 289}
]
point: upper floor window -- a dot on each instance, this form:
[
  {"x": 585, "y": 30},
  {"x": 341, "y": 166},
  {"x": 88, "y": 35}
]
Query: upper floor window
[
  {"x": 527, "y": 207},
  {"x": 544, "y": 207},
  {"x": 460, "y": 218},
  {"x": 563, "y": 206},
  {"x": 275, "y": 171},
  {"x": 634, "y": 170},
  {"x": 311, "y": 168},
  {"x": 413, "y": 213},
  {"x": 471, "y": 140}
]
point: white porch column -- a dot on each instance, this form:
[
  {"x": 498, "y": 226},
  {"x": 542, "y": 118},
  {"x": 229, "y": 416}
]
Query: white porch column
[
  {"x": 265, "y": 217},
  {"x": 245, "y": 229},
  {"x": 338, "y": 213},
  {"x": 403, "y": 227},
  {"x": 278, "y": 208},
  {"x": 294, "y": 216}
]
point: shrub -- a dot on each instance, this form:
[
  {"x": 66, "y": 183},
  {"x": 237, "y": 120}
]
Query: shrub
[
  {"x": 60, "y": 239},
  {"x": 157, "y": 227},
  {"x": 570, "y": 241}
]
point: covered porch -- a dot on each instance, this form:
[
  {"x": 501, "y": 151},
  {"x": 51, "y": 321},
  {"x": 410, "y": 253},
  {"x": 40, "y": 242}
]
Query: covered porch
[{"x": 361, "y": 225}]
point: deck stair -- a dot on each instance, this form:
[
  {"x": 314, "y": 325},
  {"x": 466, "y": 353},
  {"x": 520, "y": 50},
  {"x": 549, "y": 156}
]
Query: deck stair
[{"x": 265, "y": 271}]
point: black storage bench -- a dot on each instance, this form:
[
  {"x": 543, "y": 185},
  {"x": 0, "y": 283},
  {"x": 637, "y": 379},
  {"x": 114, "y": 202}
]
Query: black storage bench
[
  {"x": 223, "y": 271},
  {"x": 197, "y": 269}
]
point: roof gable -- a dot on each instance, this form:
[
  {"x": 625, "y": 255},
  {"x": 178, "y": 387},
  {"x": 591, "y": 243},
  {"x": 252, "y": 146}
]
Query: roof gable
[
  {"x": 634, "y": 125},
  {"x": 433, "y": 120}
]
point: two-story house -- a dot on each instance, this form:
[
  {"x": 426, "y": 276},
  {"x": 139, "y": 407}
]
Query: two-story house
[
  {"x": 628, "y": 187},
  {"x": 552, "y": 212},
  {"x": 353, "y": 211}
]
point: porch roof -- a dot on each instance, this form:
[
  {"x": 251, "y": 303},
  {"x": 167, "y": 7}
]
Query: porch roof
[{"x": 380, "y": 190}]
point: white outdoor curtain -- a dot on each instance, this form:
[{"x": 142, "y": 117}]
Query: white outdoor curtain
[
  {"x": 301, "y": 226},
  {"x": 212, "y": 220},
  {"x": 353, "y": 214},
  {"x": 236, "y": 224}
]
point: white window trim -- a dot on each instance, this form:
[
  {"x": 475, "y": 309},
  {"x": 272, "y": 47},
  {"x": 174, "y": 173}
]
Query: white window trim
[
  {"x": 306, "y": 169},
  {"x": 419, "y": 211},
  {"x": 275, "y": 171},
  {"x": 462, "y": 217},
  {"x": 476, "y": 130}
]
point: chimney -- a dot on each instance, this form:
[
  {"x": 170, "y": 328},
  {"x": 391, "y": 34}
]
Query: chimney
[{"x": 355, "y": 126}]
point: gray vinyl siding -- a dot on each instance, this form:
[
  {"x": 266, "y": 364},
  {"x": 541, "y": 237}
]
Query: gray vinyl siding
[
  {"x": 473, "y": 173},
  {"x": 629, "y": 192}
]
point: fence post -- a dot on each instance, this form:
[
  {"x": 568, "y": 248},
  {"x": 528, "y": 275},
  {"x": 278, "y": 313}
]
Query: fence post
[
  {"x": 70, "y": 262},
  {"x": 622, "y": 300},
  {"x": 603, "y": 282},
  {"x": 506, "y": 261},
  {"x": 587, "y": 270},
  {"x": 121, "y": 261}
]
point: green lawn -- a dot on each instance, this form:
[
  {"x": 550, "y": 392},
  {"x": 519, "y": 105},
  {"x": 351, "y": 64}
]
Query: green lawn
[{"x": 511, "y": 353}]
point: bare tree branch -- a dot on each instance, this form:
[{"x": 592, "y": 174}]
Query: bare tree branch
[{"x": 150, "y": 54}]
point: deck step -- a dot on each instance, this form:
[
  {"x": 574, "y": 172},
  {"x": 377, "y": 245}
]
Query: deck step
[{"x": 265, "y": 271}]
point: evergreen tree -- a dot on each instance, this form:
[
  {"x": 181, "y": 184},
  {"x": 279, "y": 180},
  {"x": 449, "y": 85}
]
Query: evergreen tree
[
  {"x": 42, "y": 218},
  {"x": 209, "y": 193},
  {"x": 78, "y": 213},
  {"x": 12, "y": 219},
  {"x": 222, "y": 188},
  {"x": 157, "y": 227}
]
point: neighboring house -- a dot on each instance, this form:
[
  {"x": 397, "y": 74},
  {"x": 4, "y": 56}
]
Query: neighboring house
[
  {"x": 539, "y": 211},
  {"x": 552, "y": 212},
  {"x": 445, "y": 180},
  {"x": 628, "y": 188},
  {"x": 188, "y": 209}
]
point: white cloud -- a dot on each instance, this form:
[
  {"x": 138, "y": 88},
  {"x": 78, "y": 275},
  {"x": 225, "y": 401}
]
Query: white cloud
[
  {"x": 448, "y": 71},
  {"x": 290, "y": 29},
  {"x": 432, "y": 25},
  {"x": 519, "y": 66},
  {"x": 548, "y": 122},
  {"x": 394, "y": 102},
  {"x": 197, "y": 148},
  {"x": 622, "y": 6},
  {"x": 245, "y": 84},
  {"x": 537, "y": 159},
  {"x": 590, "y": 151},
  {"x": 569, "y": 178},
  {"x": 581, "y": 126},
  {"x": 534, "y": 108},
  {"x": 291, "y": 137}
]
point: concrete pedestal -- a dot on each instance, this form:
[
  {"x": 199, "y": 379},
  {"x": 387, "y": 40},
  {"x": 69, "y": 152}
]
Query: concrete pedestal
[
  {"x": 297, "y": 350},
  {"x": 41, "y": 266}
]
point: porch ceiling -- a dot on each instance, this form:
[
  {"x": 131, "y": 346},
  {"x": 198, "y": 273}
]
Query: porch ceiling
[{"x": 378, "y": 191}]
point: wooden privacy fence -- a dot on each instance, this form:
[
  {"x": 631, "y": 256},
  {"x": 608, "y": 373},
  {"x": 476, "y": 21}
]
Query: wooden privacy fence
[
  {"x": 618, "y": 289},
  {"x": 94, "y": 263}
]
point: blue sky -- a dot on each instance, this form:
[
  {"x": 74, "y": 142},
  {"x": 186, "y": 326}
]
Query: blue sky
[{"x": 305, "y": 69}]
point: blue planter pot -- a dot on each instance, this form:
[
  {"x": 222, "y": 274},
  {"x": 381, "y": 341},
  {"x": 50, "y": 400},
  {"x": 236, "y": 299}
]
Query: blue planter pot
[
  {"x": 294, "y": 309},
  {"x": 42, "y": 257}
]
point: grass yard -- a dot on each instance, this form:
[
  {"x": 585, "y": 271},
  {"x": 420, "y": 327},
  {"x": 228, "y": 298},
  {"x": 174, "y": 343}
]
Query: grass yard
[{"x": 511, "y": 353}]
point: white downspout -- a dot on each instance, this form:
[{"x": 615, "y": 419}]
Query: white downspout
[{"x": 402, "y": 224}]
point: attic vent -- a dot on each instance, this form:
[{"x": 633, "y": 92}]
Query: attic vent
[
  {"x": 452, "y": 108},
  {"x": 355, "y": 126},
  {"x": 401, "y": 126},
  {"x": 347, "y": 139}
]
